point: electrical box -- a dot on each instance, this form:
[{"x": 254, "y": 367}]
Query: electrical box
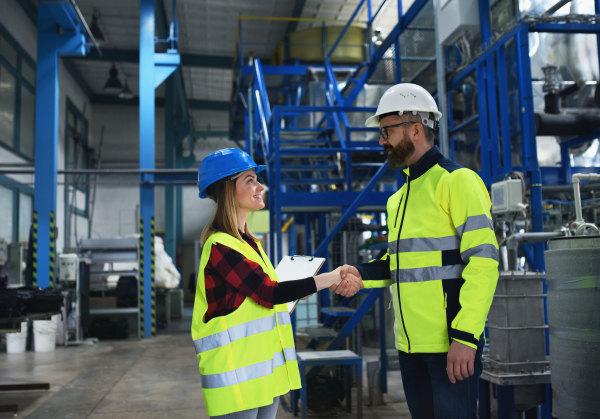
[
  {"x": 68, "y": 267},
  {"x": 456, "y": 17},
  {"x": 507, "y": 196}
]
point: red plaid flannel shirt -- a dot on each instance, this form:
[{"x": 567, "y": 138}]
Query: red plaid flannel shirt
[{"x": 229, "y": 278}]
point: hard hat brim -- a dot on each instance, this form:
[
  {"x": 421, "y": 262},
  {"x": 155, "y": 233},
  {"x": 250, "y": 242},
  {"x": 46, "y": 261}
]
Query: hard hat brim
[
  {"x": 202, "y": 194},
  {"x": 373, "y": 121}
]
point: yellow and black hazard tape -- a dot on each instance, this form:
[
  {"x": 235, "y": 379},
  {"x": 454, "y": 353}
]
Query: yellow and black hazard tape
[
  {"x": 52, "y": 246},
  {"x": 141, "y": 276},
  {"x": 35, "y": 242},
  {"x": 152, "y": 277}
]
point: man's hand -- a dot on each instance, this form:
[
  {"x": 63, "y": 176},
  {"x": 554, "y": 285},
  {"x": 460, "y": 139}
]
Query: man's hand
[
  {"x": 351, "y": 282},
  {"x": 461, "y": 361}
]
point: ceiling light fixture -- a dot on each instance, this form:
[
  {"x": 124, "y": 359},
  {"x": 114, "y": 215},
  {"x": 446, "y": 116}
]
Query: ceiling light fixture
[
  {"x": 95, "y": 28},
  {"x": 113, "y": 85},
  {"x": 126, "y": 93}
]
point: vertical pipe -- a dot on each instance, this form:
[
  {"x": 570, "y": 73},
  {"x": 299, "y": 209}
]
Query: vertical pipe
[
  {"x": 441, "y": 85},
  {"x": 450, "y": 125},
  {"x": 526, "y": 100},
  {"x": 483, "y": 123},
  {"x": 370, "y": 29},
  {"x": 46, "y": 141},
  {"x": 492, "y": 114},
  {"x": 307, "y": 234},
  {"x": 170, "y": 237},
  {"x": 485, "y": 24},
  {"x": 504, "y": 111},
  {"x": 276, "y": 186},
  {"x": 147, "y": 152},
  {"x": 597, "y": 7}
]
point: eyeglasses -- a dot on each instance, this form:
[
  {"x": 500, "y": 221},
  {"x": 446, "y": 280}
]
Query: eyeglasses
[{"x": 383, "y": 131}]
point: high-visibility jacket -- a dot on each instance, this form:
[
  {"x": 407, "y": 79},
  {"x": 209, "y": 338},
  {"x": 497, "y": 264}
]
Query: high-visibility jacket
[
  {"x": 442, "y": 256},
  {"x": 247, "y": 357}
]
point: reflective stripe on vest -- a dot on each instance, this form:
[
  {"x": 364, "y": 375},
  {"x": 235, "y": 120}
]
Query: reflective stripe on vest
[
  {"x": 241, "y": 331},
  {"x": 430, "y": 273},
  {"x": 290, "y": 354},
  {"x": 240, "y": 375},
  {"x": 475, "y": 222},
  {"x": 425, "y": 244}
]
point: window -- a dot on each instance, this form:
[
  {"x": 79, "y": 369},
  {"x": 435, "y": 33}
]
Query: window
[
  {"x": 25, "y": 216},
  {"x": 77, "y": 156},
  {"x": 6, "y": 213},
  {"x": 16, "y": 210},
  {"x": 17, "y": 97},
  {"x": 8, "y": 85}
]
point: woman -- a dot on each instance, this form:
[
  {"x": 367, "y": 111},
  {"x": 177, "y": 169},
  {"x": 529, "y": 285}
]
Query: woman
[{"x": 241, "y": 327}]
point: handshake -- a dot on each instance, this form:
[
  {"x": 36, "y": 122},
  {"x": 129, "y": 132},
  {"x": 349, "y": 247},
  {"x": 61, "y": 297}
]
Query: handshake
[{"x": 345, "y": 281}]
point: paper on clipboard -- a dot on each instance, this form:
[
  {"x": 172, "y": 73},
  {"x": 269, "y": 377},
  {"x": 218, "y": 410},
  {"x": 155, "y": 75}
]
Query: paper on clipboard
[{"x": 296, "y": 267}]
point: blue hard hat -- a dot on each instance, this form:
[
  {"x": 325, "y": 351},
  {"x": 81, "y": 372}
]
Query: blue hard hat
[{"x": 223, "y": 163}]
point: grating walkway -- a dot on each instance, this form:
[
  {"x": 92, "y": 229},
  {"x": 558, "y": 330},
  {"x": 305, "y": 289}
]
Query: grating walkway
[{"x": 131, "y": 379}]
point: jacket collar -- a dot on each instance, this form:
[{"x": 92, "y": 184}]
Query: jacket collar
[{"x": 426, "y": 162}]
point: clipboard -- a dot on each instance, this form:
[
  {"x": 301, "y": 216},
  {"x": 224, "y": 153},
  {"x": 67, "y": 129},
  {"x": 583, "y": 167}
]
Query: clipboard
[{"x": 296, "y": 267}]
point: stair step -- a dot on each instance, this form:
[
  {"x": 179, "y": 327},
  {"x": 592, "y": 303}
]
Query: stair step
[
  {"x": 309, "y": 181},
  {"x": 312, "y": 168},
  {"x": 321, "y": 334},
  {"x": 303, "y": 141},
  {"x": 338, "y": 311}
]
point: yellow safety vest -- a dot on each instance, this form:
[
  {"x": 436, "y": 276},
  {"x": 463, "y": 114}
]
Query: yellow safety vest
[
  {"x": 443, "y": 256},
  {"x": 247, "y": 357}
]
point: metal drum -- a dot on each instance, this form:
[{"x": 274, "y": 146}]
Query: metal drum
[{"x": 573, "y": 280}]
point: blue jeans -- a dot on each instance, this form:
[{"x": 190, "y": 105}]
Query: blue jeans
[
  {"x": 265, "y": 412},
  {"x": 429, "y": 392}
]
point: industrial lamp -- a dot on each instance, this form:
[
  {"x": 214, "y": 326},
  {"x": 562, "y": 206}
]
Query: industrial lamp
[
  {"x": 113, "y": 84},
  {"x": 95, "y": 29},
  {"x": 126, "y": 93}
]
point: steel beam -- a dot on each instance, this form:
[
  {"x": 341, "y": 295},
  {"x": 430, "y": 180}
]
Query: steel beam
[
  {"x": 147, "y": 156},
  {"x": 214, "y": 105},
  {"x": 50, "y": 46},
  {"x": 187, "y": 60}
]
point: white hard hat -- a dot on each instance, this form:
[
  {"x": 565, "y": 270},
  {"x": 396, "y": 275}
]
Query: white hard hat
[{"x": 406, "y": 97}]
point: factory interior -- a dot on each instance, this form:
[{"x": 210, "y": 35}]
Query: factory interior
[{"x": 108, "y": 108}]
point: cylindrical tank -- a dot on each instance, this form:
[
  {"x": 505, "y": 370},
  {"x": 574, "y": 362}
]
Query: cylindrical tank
[
  {"x": 573, "y": 282},
  {"x": 307, "y": 44}
]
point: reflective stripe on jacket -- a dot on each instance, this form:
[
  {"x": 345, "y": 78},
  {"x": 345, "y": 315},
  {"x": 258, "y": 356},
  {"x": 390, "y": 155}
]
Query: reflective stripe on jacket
[
  {"x": 247, "y": 357},
  {"x": 443, "y": 256}
]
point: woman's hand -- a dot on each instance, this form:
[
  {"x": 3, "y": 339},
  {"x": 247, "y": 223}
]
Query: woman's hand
[{"x": 326, "y": 280}]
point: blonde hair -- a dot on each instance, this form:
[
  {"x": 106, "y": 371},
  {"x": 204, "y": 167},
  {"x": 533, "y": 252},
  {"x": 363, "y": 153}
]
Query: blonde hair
[{"x": 225, "y": 217}]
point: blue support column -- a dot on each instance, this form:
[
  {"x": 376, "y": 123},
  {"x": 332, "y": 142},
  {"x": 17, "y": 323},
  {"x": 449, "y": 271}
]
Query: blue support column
[
  {"x": 50, "y": 45},
  {"x": 147, "y": 81}
]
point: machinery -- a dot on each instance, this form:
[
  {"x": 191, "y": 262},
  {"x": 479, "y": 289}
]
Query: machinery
[{"x": 74, "y": 279}]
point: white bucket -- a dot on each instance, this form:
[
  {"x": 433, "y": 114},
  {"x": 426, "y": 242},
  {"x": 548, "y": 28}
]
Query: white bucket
[
  {"x": 44, "y": 334},
  {"x": 16, "y": 342}
]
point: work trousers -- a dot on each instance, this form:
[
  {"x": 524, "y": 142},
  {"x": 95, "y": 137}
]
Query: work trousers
[
  {"x": 265, "y": 412},
  {"x": 429, "y": 392}
]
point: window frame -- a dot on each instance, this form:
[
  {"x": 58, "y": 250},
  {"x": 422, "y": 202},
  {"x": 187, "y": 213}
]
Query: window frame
[{"x": 21, "y": 81}]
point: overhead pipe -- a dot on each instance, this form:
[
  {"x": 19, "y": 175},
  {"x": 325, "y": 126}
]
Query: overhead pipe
[
  {"x": 580, "y": 225},
  {"x": 566, "y": 124},
  {"x": 513, "y": 242}
]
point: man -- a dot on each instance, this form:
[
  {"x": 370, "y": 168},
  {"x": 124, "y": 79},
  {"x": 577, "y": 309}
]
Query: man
[{"x": 442, "y": 260}]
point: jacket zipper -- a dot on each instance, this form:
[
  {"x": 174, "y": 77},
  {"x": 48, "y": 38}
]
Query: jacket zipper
[
  {"x": 398, "y": 212},
  {"x": 398, "y": 257}
]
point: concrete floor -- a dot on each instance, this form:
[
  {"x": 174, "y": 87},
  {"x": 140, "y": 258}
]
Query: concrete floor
[{"x": 131, "y": 379}]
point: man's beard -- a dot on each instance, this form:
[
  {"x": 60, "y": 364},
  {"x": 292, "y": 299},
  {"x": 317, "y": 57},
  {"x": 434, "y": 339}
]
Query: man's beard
[{"x": 401, "y": 153}]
